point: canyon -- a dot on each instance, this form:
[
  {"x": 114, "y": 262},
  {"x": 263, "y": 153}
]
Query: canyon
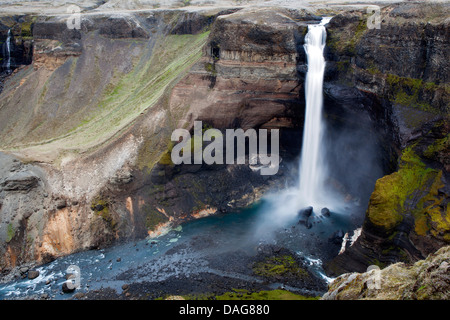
[{"x": 86, "y": 117}]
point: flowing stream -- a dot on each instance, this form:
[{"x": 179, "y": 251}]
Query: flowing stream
[{"x": 216, "y": 245}]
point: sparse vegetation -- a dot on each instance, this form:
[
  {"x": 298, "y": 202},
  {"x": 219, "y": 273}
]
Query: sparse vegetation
[
  {"x": 101, "y": 208},
  {"x": 10, "y": 232}
]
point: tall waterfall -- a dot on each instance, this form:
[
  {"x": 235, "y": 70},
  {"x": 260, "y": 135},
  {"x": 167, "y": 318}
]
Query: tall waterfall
[
  {"x": 312, "y": 165},
  {"x": 8, "y": 51}
]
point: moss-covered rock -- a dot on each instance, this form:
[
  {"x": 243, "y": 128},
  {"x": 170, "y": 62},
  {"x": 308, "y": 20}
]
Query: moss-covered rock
[
  {"x": 412, "y": 189},
  {"x": 10, "y": 232},
  {"x": 101, "y": 209},
  {"x": 279, "y": 267},
  {"x": 275, "y": 264},
  {"x": 153, "y": 218},
  {"x": 408, "y": 213},
  {"x": 390, "y": 60}
]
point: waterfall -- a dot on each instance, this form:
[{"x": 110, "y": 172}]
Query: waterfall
[
  {"x": 312, "y": 166},
  {"x": 8, "y": 51}
]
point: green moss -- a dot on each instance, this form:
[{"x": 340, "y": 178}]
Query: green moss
[
  {"x": 413, "y": 190},
  {"x": 166, "y": 158},
  {"x": 373, "y": 70},
  {"x": 438, "y": 146},
  {"x": 211, "y": 68},
  {"x": 10, "y": 232},
  {"x": 343, "y": 66},
  {"x": 26, "y": 30},
  {"x": 344, "y": 42},
  {"x": 359, "y": 32},
  {"x": 378, "y": 263},
  {"x": 429, "y": 208},
  {"x": 149, "y": 153},
  {"x": 276, "y": 267},
  {"x": 101, "y": 208},
  {"x": 410, "y": 92},
  {"x": 70, "y": 75},
  {"x": 153, "y": 218}
]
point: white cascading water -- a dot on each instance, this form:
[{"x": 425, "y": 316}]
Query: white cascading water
[
  {"x": 312, "y": 165},
  {"x": 8, "y": 51},
  {"x": 310, "y": 191}
]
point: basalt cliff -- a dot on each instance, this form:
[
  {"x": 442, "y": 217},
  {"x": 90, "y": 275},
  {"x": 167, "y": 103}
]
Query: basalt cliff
[{"x": 86, "y": 117}]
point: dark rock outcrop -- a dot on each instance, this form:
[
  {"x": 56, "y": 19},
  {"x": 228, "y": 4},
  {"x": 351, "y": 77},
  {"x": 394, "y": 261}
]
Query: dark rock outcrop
[{"x": 425, "y": 280}]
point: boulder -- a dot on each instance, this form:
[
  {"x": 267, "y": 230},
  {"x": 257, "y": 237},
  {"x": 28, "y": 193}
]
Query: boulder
[
  {"x": 306, "y": 212},
  {"x": 33, "y": 274},
  {"x": 337, "y": 237},
  {"x": 61, "y": 204},
  {"x": 66, "y": 289},
  {"x": 325, "y": 212}
]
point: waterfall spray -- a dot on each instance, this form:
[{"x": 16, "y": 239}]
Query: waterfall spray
[{"x": 312, "y": 166}]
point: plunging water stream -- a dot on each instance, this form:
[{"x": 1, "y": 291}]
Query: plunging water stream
[
  {"x": 8, "y": 51},
  {"x": 312, "y": 165}
]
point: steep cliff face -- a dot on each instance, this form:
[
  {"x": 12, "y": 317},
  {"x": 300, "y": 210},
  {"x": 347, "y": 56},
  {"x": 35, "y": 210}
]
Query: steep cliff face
[
  {"x": 72, "y": 111},
  {"x": 94, "y": 113},
  {"x": 403, "y": 63},
  {"x": 230, "y": 86}
]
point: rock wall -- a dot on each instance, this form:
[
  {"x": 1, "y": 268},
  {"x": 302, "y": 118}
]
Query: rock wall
[{"x": 70, "y": 117}]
